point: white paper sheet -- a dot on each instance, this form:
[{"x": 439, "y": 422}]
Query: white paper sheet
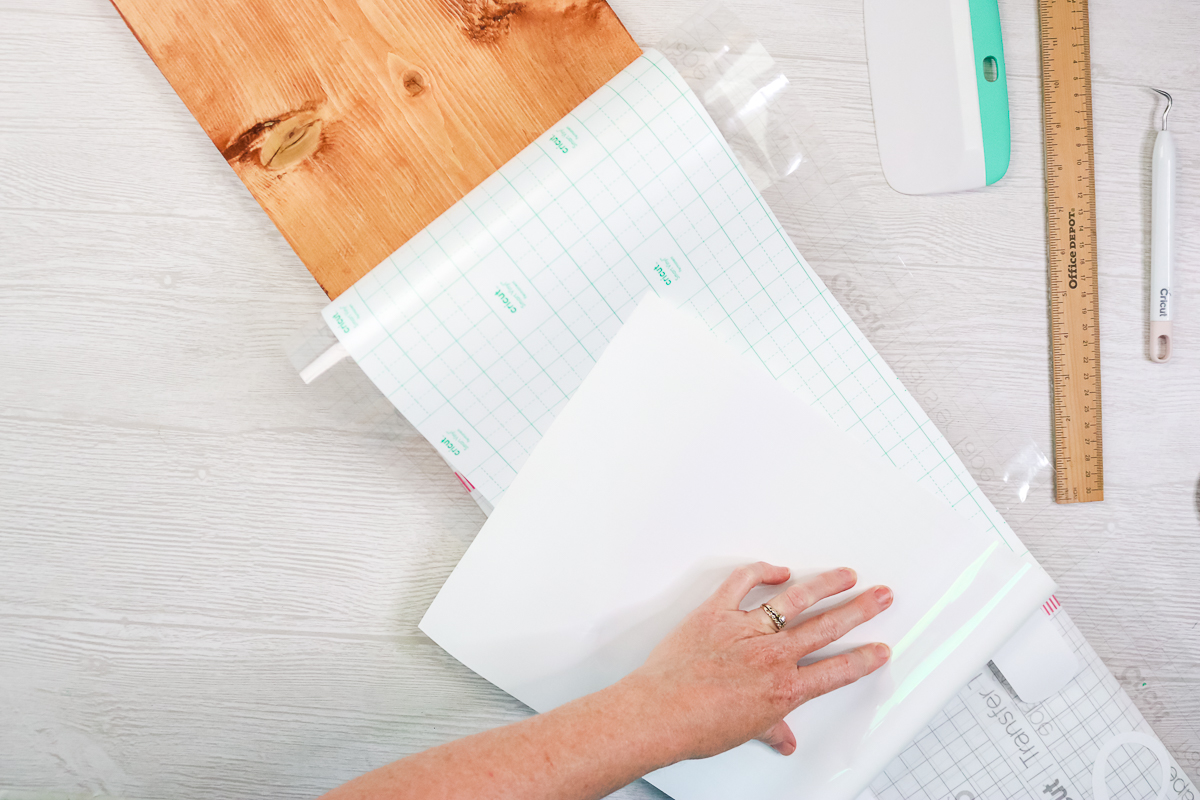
[{"x": 676, "y": 460}]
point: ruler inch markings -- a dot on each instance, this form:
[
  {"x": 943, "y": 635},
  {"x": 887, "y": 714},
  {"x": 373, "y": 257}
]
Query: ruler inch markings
[{"x": 1071, "y": 250}]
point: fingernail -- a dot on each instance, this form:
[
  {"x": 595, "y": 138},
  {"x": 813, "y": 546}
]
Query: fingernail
[
  {"x": 883, "y": 652},
  {"x": 848, "y": 574},
  {"x": 883, "y": 595}
]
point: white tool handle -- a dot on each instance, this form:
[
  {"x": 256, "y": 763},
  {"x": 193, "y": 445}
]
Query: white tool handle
[
  {"x": 1162, "y": 236},
  {"x": 323, "y": 362}
]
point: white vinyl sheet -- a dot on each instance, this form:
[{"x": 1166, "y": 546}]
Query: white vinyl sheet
[{"x": 675, "y": 460}]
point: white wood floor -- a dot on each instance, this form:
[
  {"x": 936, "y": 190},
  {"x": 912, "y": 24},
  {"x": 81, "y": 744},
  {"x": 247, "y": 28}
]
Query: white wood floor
[{"x": 211, "y": 575}]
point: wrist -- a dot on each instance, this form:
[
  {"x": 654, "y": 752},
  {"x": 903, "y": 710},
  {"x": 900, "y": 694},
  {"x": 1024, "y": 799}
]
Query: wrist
[{"x": 650, "y": 720}]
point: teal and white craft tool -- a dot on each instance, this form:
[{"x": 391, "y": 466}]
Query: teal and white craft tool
[
  {"x": 939, "y": 92},
  {"x": 1162, "y": 235}
]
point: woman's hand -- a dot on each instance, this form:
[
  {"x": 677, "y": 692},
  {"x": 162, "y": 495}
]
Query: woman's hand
[
  {"x": 723, "y": 677},
  {"x": 726, "y": 676}
]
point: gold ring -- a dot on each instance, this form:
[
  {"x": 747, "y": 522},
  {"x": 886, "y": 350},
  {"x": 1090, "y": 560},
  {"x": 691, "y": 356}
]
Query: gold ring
[{"x": 777, "y": 619}]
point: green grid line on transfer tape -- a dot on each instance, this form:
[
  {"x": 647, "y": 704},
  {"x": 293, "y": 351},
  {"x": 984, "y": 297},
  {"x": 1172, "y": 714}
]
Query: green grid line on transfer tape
[
  {"x": 762, "y": 288},
  {"x": 455, "y": 366}
]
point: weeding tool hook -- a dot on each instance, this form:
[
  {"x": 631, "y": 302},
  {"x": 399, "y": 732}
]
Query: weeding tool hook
[{"x": 1166, "y": 110}]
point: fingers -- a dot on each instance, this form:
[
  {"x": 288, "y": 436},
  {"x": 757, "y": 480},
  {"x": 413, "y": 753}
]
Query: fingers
[
  {"x": 838, "y": 671},
  {"x": 813, "y": 634},
  {"x": 735, "y": 588},
  {"x": 781, "y": 738},
  {"x": 795, "y": 599}
]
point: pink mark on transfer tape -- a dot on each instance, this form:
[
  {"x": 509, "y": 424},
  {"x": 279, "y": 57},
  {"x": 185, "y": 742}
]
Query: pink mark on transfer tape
[{"x": 470, "y": 487}]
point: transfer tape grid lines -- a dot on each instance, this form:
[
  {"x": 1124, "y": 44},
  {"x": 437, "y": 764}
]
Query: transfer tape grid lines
[
  {"x": 822, "y": 297},
  {"x": 959, "y": 754},
  {"x": 453, "y": 359},
  {"x": 726, "y": 314},
  {"x": 872, "y": 357}
]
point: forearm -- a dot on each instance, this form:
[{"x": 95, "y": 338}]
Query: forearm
[
  {"x": 584, "y": 749},
  {"x": 723, "y": 677}
]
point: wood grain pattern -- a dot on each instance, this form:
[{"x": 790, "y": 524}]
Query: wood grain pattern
[
  {"x": 211, "y": 575},
  {"x": 355, "y": 123},
  {"x": 1072, "y": 251}
]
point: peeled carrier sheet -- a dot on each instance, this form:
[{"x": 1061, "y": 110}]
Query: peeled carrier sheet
[{"x": 676, "y": 460}]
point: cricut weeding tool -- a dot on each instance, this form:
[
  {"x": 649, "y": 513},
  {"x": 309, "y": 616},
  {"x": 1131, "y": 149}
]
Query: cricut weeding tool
[{"x": 1162, "y": 237}]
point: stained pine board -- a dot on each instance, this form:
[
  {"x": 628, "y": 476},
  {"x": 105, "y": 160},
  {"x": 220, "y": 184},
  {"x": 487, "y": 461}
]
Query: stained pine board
[{"x": 355, "y": 123}]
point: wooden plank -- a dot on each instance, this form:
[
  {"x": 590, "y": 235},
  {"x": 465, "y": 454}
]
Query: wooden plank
[{"x": 355, "y": 123}]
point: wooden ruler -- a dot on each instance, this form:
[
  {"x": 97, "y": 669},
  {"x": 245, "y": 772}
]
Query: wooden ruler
[{"x": 1071, "y": 212}]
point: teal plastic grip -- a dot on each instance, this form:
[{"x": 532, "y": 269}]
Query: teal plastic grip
[{"x": 993, "y": 94}]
